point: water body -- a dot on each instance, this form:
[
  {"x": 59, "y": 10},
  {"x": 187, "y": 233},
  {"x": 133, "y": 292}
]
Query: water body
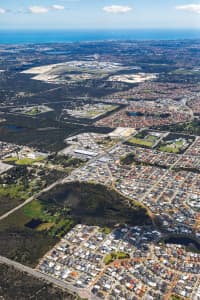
[
  {"x": 12, "y": 127},
  {"x": 61, "y": 36},
  {"x": 135, "y": 114},
  {"x": 34, "y": 223},
  {"x": 148, "y": 115}
]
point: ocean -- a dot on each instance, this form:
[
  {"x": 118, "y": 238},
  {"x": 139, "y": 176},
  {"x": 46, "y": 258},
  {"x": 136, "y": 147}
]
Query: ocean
[{"x": 62, "y": 36}]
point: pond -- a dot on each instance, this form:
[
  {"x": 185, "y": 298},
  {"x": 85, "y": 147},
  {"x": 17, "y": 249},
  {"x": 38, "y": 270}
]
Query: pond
[
  {"x": 148, "y": 115},
  {"x": 34, "y": 223},
  {"x": 185, "y": 241},
  {"x": 12, "y": 127},
  {"x": 134, "y": 114}
]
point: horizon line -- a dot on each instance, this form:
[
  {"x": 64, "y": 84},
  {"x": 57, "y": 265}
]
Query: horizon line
[{"x": 97, "y": 29}]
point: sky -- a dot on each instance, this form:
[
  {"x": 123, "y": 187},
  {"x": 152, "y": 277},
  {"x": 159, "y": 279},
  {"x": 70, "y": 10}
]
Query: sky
[{"x": 99, "y": 14}]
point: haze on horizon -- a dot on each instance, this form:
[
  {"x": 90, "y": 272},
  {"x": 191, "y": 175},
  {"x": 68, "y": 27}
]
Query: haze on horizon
[{"x": 99, "y": 14}]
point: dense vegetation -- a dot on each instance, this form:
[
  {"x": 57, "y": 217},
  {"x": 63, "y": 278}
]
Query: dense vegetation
[
  {"x": 44, "y": 134},
  {"x": 15, "y": 285},
  {"x": 94, "y": 204},
  {"x": 127, "y": 159},
  {"x": 65, "y": 161},
  {"x": 192, "y": 127},
  {"x": 30, "y": 232},
  {"x": 22, "y": 244}
]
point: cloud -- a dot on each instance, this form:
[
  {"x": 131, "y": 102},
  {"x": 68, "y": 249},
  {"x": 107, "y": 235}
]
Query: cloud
[
  {"x": 195, "y": 8},
  {"x": 2, "y": 11},
  {"x": 38, "y": 9},
  {"x": 44, "y": 9},
  {"x": 57, "y": 7},
  {"x": 117, "y": 9}
]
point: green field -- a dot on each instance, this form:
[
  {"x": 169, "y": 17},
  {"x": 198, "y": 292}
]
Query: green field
[
  {"x": 24, "y": 161},
  {"x": 175, "y": 297},
  {"x": 33, "y": 111},
  {"x": 65, "y": 161},
  {"x": 105, "y": 230},
  {"x": 141, "y": 142},
  {"x": 12, "y": 195},
  {"x": 175, "y": 147},
  {"x": 151, "y": 138},
  {"x": 55, "y": 224},
  {"x": 169, "y": 149},
  {"x": 113, "y": 256}
]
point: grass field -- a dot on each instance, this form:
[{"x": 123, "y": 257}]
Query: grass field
[
  {"x": 55, "y": 224},
  {"x": 175, "y": 147},
  {"x": 151, "y": 138},
  {"x": 115, "y": 255},
  {"x": 141, "y": 142},
  {"x": 169, "y": 149},
  {"x": 175, "y": 297},
  {"x": 105, "y": 230},
  {"x": 11, "y": 196},
  {"x": 23, "y": 161},
  {"x": 33, "y": 111}
]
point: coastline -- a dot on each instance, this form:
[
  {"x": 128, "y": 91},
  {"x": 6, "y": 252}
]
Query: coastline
[{"x": 14, "y": 37}]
